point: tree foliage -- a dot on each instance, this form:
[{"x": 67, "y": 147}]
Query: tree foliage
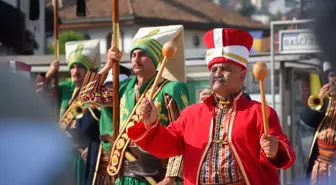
[{"x": 64, "y": 37}]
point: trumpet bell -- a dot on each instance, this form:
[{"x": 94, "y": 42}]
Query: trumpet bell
[
  {"x": 78, "y": 111},
  {"x": 315, "y": 102}
]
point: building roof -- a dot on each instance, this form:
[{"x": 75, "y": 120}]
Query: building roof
[{"x": 189, "y": 13}]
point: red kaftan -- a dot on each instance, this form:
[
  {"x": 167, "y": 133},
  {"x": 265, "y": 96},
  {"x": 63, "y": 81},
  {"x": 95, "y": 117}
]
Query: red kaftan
[{"x": 191, "y": 135}]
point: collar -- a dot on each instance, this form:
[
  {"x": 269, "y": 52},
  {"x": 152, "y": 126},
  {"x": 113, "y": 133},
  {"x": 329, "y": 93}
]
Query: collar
[
  {"x": 211, "y": 100},
  {"x": 228, "y": 100},
  {"x": 145, "y": 84}
]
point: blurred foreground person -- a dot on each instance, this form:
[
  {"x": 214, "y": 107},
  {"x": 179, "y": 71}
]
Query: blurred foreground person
[{"x": 33, "y": 151}]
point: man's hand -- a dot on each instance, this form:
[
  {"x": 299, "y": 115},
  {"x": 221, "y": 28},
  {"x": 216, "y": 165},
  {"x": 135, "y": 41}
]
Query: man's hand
[
  {"x": 270, "y": 145},
  {"x": 113, "y": 55},
  {"x": 204, "y": 94},
  {"x": 40, "y": 83},
  {"x": 167, "y": 181},
  {"x": 325, "y": 90},
  {"x": 54, "y": 67},
  {"x": 84, "y": 153},
  {"x": 147, "y": 112}
]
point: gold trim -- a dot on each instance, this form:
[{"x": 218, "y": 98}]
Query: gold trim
[
  {"x": 237, "y": 57},
  {"x": 233, "y": 114},
  {"x": 57, "y": 50},
  {"x": 290, "y": 158},
  {"x": 318, "y": 130},
  {"x": 237, "y": 97},
  {"x": 97, "y": 165},
  {"x": 205, "y": 152},
  {"x": 149, "y": 129},
  {"x": 93, "y": 114},
  {"x": 228, "y": 54},
  {"x": 115, "y": 35}
]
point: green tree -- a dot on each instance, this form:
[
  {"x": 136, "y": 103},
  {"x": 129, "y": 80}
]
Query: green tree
[{"x": 64, "y": 37}]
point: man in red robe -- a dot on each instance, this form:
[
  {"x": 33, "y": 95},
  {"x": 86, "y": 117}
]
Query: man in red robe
[{"x": 222, "y": 138}]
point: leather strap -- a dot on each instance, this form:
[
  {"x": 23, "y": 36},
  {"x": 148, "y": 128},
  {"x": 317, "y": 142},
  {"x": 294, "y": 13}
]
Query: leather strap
[{"x": 138, "y": 170}]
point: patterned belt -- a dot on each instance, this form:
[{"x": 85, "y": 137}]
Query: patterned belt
[
  {"x": 235, "y": 183},
  {"x": 327, "y": 152}
]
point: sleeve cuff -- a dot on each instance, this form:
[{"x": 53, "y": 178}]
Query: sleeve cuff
[
  {"x": 283, "y": 158},
  {"x": 148, "y": 127},
  {"x": 91, "y": 84},
  {"x": 140, "y": 130}
]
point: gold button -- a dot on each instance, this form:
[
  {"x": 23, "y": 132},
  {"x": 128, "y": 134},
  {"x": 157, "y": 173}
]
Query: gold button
[
  {"x": 218, "y": 172},
  {"x": 221, "y": 126}
]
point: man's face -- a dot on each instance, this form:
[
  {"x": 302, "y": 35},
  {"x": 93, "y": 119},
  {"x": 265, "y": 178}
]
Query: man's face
[
  {"x": 332, "y": 77},
  {"x": 226, "y": 77},
  {"x": 142, "y": 63},
  {"x": 77, "y": 73}
]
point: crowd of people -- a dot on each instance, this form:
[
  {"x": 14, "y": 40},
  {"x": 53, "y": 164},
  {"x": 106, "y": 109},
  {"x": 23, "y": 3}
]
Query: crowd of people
[{"x": 164, "y": 139}]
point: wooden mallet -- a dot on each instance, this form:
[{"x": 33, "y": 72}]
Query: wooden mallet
[
  {"x": 260, "y": 72},
  {"x": 168, "y": 51}
]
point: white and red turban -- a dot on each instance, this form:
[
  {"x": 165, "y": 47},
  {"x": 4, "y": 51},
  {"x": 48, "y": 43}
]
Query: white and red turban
[{"x": 227, "y": 45}]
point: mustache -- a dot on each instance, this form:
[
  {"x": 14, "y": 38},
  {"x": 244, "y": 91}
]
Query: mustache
[
  {"x": 77, "y": 75},
  {"x": 219, "y": 78},
  {"x": 137, "y": 65}
]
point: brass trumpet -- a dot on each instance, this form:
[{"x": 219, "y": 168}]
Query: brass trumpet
[
  {"x": 75, "y": 111},
  {"x": 316, "y": 103},
  {"x": 78, "y": 110}
]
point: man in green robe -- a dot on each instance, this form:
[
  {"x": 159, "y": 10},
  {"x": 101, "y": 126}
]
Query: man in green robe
[
  {"x": 80, "y": 56},
  {"x": 170, "y": 97}
]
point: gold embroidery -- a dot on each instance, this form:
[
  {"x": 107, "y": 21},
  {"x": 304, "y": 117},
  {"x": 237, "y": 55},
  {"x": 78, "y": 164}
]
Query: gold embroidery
[
  {"x": 184, "y": 99},
  {"x": 113, "y": 168},
  {"x": 148, "y": 36},
  {"x": 159, "y": 109},
  {"x": 123, "y": 110}
]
